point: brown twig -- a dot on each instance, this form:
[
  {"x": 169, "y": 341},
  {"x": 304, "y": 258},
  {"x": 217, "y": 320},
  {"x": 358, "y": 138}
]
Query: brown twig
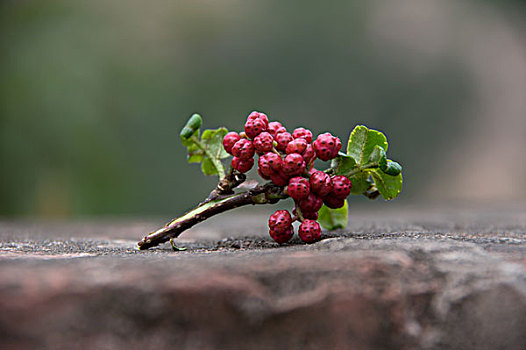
[{"x": 261, "y": 194}]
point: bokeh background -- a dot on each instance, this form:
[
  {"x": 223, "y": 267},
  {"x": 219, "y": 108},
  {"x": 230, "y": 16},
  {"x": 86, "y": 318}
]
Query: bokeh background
[{"x": 93, "y": 93}]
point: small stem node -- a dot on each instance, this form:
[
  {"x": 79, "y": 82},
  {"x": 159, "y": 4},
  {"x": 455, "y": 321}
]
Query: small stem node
[{"x": 299, "y": 213}]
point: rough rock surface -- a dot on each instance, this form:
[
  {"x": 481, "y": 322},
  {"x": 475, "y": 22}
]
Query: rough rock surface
[{"x": 416, "y": 278}]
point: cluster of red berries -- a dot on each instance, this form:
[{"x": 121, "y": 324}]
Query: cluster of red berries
[{"x": 288, "y": 160}]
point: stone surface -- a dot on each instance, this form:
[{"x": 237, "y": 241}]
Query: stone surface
[{"x": 414, "y": 278}]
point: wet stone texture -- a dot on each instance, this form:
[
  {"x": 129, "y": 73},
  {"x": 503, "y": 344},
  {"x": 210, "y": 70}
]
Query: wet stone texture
[{"x": 414, "y": 278}]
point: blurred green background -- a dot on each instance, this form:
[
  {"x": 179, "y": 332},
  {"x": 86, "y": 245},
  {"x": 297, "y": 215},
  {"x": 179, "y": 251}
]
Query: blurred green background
[{"x": 94, "y": 94}]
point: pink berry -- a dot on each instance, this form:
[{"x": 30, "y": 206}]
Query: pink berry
[
  {"x": 243, "y": 149},
  {"x": 320, "y": 183},
  {"x": 242, "y": 165},
  {"x": 327, "y": 146},
  {"x": 229, "y": 140},
  {"x": 293, "y": 164},
  {"x": 280, "y": 130},
  {"x": 273, "y": 127},
  {"x": 274, "y": 160},
  {"x": 283, "y": 140},
  {"x": 341, "y": 186},
  {"x": 311, "y": 204},
  {"x": 337, "y": 147},
  {"x": 263, "y": 142},
  {"x": 333, "y": 202},
  {"x": 269, "y": 163},
  {"x": 280, "y": 220},
  {"x": 263, "y": 176},
  {"x": 262, "y": 116},
  {"x": 302, "y": 133},
  {"x": 264, "y": 166},
  {"x": 309, "y": 231},
  {"x": 310, "y": 215},
  {"x": 254, "y": 127},
  {"x": 279, "y": 179},
  {"x": 299, "y": 188},
  {"x": 282, "y": 237},
  {"x": 309, "y": 155},
  {"x": 296, "y": 146},
  {"x": 312, "y": 170}
]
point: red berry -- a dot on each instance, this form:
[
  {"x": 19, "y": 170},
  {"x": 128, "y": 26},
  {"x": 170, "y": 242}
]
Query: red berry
[
  {"x": 242, "y": 165},
  {"x": 283, "y": 140},
  {"x": 296, "y": 146},
  {"x": 311, "y": 204},
  {"x": 264, "y": 165},
  {"x": 333, "y": 202},
  {"x": 327, "y": 146},
  {"x": 280, "y": 226},
  {"x": 254, "y": 127},
  {"x": 309, "y": 231},
  {"x": 341, "y": 186},
  {"x": 309, "y": 155},
  {"x": 299, "y": 188},
  {"x": 262, "y": 116},
  {"x": 337, "y": 147},
  {"x": 281, "y": 129},
  {"x": 274, "y": 160},
  {"x": 263, "y": 142},
  {"x": 293, "y": 164},
  {"x": 279, "y": 179},
  {"x": 269, "y": 163},
  {"x": 323, "y": 152},
  {"x": 263, "y": 176},
  {"x": 229, "y": 140},
  {"x": 282, "y": 237},
  {"x": 310, "y": 215},
  {"x": 243, "y": 149},
  {"x": 312, "y": 170},
  {"x": 302, "y": 133},
  {"x": 280, "y": 221},
  {"x": 320, "y": 183},
  {"x": 273, "y": 128}
]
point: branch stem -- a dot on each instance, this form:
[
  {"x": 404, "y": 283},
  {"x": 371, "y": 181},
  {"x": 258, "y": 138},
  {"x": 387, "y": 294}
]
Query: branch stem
[{"x": 261, "y": 194}]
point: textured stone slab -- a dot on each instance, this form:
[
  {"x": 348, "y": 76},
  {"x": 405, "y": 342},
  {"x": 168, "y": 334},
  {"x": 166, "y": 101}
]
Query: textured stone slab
[{"x": 414, "y": 279}]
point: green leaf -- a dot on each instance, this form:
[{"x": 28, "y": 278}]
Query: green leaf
[
  {"x": 332, "y": 219},
  {"x": 391, "y": 168},
  {"x": 389, "y": 186},
  {"x": 208, "y": 168},
  {"x": 343, "y": 164},
  {"x": 193, "y": 124},
  {"x": 195, "y": 154},
  {"x": 377, "y": 155},
  {"x": 382, "y": 164},
  {"x": 207, "y": 149},
  {"x": 196, "y": 157},
  {"x": 360, "y": 183},
  {"x": 362, "y": 142},
  {"x": 213, "y": 142},
  {"x": 187, "y": 142}
]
